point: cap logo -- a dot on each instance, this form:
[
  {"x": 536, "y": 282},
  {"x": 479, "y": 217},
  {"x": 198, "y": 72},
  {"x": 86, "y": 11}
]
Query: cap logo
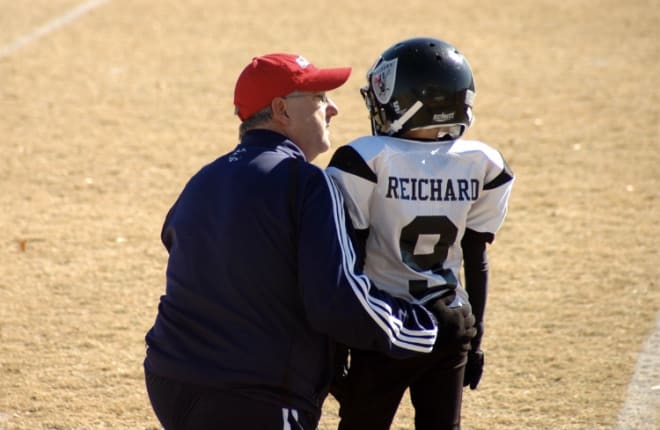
[
  {"x": 302, "y": 62},
  {"x": 383, "y": 80}
]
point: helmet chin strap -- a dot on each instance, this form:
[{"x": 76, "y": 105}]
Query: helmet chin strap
[{"x": 398, "y": 123}]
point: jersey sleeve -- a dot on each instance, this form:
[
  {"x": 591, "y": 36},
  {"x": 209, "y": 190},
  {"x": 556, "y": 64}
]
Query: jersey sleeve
[
  {"x": 488, "y": 212},
  {"x": 356, "y": 180},
  {"x": 339, "y": 300}
]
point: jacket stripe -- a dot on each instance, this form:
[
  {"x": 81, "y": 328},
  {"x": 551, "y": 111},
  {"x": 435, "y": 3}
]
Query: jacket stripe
[{"x": 418, "y": 339}]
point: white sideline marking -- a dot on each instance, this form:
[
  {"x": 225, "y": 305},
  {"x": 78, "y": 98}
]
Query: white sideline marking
[
  {"x": 50, "y": 26},
  {"x": 640, "y": 410}
]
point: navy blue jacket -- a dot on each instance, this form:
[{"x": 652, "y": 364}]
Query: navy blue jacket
[{"x": 261, "y": 281}]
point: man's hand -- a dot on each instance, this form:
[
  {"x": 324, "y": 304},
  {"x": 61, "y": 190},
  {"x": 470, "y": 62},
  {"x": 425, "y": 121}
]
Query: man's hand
[
  {"x": 455, "y": 324},
  {"x": 474, "y": 369}
]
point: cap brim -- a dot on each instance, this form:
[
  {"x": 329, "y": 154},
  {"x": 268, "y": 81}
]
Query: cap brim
[{"x": 325, "y": 79}]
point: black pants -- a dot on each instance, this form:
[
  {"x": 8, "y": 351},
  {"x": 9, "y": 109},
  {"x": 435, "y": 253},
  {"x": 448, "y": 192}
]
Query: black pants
[
  {"x": 180, "y": 406},
  {"x": 371, "y": 392}
]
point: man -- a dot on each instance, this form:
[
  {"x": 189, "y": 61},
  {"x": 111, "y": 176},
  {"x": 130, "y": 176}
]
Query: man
[
  {"x": 261, "y": 279},
  {"x": 422, "y": 200}
]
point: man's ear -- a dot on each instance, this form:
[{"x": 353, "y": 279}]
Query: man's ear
[{"x": 280, "y": 115}]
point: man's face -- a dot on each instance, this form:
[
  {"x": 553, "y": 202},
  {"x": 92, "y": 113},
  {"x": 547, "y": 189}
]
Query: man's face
[{"x": 309, "y": 115}]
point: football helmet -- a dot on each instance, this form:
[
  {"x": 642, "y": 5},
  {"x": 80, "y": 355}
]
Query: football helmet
[{"x": 420, "y": 83}]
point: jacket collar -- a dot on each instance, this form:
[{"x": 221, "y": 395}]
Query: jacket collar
[{"x": 271, "y": 140}]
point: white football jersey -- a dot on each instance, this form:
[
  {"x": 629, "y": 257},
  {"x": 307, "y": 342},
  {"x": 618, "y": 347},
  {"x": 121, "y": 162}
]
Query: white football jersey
[{"x": 417, "y": 198}]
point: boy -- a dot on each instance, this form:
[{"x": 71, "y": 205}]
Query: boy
[{"x": 424, "y": 201}]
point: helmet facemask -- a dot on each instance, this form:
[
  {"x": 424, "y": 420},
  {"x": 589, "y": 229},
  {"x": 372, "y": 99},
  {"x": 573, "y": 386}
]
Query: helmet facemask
[{"x": 376, "y": 115}]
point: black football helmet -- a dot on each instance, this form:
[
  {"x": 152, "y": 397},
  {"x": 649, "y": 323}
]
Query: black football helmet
[{"x": 419, "y": 83}]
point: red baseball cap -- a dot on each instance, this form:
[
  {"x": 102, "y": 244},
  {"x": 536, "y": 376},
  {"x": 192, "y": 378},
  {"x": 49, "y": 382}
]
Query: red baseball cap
[{"x": 276, "y": 75}]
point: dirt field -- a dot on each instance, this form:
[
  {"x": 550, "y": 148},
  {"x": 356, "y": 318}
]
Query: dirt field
[{"x": 103, "y": 119}]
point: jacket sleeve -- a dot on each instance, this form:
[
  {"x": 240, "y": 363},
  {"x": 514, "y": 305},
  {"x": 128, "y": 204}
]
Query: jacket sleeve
[{"x": 340, "y": 301}]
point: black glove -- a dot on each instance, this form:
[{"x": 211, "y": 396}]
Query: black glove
[
  {"x": 474, "y": 369},
  {"x": 455, "y": 324}
]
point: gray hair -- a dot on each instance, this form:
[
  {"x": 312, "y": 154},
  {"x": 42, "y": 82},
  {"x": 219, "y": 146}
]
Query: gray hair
[{"x": 256, "y": 120}]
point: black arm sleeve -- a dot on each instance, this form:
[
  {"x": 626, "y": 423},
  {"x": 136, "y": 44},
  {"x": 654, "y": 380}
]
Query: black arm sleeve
[
  {"x": 475, "y": 265},
  {"x": 360, "y": 243}
]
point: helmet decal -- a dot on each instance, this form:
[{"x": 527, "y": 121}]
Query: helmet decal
[{"x": 383, "y": 80}]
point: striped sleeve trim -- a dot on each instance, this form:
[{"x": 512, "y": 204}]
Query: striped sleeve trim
[
  {"x": 347, "y": 158},
  {"x": 505, "y": 176},
  {"x": 419, "y": 338}
]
